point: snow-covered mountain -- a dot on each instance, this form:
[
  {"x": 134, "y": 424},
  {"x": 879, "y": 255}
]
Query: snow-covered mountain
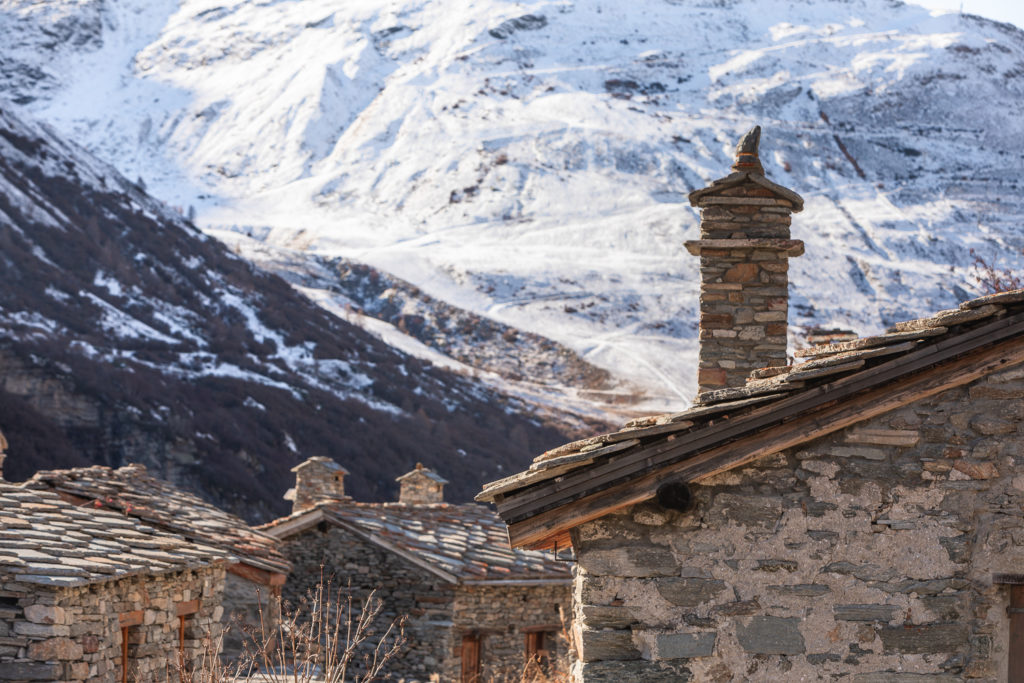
[
  {"x": 127, "y": 335},
  {"x": 529, "y": 161}
]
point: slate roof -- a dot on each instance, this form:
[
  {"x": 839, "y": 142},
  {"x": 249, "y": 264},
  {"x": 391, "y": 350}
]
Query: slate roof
[
  {"x": 829, "y": 372},
  {"x": 49, "y": 542},
  {"x": 464, "y": 543},
  {"x": 132, "y": 490}
]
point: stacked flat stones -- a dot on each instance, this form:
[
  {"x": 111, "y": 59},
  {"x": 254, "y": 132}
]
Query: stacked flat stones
[{"x": 744, "y": 250}]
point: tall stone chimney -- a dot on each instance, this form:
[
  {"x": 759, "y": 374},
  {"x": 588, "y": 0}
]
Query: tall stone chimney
[
  {"x": 422, "y": 486},
  {"x": 744, "y": 251},
  {"x": 317, "y": 480}
]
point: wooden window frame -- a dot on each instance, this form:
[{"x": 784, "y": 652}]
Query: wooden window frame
[
  {"x": 183, "y": 610},
  {"x": 128, "y": 622}
]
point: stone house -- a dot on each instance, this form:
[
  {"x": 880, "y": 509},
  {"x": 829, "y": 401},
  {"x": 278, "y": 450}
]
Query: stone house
[
  {"x": 93, "y": 595},
  {"x": 252, "y": 580},
  {"x": 476, "y": 608},
  {"x": 856, "y": 516}
]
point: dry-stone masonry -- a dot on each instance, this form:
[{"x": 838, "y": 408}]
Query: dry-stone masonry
[
  {"x": 864, "y": 556},
  {"x": 422, "y": 486},
  {"x": 317, "y": 479}
]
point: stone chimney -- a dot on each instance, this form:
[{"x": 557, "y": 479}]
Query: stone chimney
[
  {"x": 422, "y": 486},
  {"x": 3, "y": 454},
  {"x": 744, "y": 251},
  {"x": 317, "y": 480}
]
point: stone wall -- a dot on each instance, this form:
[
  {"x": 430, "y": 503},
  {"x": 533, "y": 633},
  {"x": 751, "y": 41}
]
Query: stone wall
[
  {"x": 74, "y": 634},
  {"x": 501, "y": 615},
  {"x": 405, "y": 588},
  {"x": 865, "y": 556}
]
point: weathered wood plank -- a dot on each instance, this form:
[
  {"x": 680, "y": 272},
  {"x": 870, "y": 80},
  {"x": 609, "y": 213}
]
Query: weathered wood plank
[{"x": 534, "y": 531}]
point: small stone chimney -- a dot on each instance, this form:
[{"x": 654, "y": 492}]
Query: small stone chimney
[
  {"x": 317, "y": 480},
  {"x": 422, "y": 486},
  {"x": 744, "y": 251}
]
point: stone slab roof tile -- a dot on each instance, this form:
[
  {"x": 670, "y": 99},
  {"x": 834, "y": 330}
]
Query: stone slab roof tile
[
  {"x": 87, "y": 555},
  {"x": 135, "y": 492}
]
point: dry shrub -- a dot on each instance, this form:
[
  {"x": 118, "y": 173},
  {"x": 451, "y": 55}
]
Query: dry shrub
[
  {"x": 327, "y": 638},
  {"x": 993, "y": 279}
]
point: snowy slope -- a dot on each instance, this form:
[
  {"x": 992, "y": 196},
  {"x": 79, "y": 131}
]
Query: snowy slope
[
  {"x": 529, "y": 161},
  {"x": 127, "y": 335}
]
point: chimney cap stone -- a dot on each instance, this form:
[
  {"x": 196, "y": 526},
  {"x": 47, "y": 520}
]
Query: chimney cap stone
[
  {"x": 421, "y": 471},
  {"x": 747, "y": 158},
  {"x": 324, "y": 462},
  {"x": 748, "y": 169}
]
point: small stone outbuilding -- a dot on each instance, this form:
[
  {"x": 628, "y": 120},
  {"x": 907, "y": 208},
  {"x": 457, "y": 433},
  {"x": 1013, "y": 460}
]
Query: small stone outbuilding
[
  {"x": 476, "y": 609},
  {"x": 93, "y": 595},
  {"x": 855, "y": 516},
  {"x": 252, "y": 580}
]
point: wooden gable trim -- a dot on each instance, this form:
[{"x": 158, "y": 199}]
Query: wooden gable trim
[
  {"x": 257, "y": 575},
  {"x": 539, "y": 530},
  {"x": 295, "y": 525}
]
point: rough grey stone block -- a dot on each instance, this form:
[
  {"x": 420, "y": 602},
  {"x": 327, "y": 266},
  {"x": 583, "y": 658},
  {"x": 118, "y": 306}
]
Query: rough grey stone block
[
  {"x": 924, "y": 639},
  {"x": 864, "y": 612},
  {"x": 627, "y": 672},
  {"x": 762, "y": 511},
  {"x": 857, "y": 452},
  {"x": 803, "y": 590},
  {"x": 598, "y": 616},
  {"x": 741, "y": 607},
  {"x": 774, "y": 565},
  {"x": 864, "y": 572},
  {"x": 604, "y": 645},
  {"x": 30, "y": 671},
  {"x": 689, "y": 592},
  {"x": 633, "y": 561},
  {"x": 771, "y": 636},
  {"x": 685, "y": 645}
]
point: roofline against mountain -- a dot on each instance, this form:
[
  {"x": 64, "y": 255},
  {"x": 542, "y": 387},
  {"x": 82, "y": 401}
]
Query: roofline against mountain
[{"x": 542, "y": 528}]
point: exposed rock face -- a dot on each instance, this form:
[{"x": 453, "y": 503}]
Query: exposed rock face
[{"x": 870, "y": 553}]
